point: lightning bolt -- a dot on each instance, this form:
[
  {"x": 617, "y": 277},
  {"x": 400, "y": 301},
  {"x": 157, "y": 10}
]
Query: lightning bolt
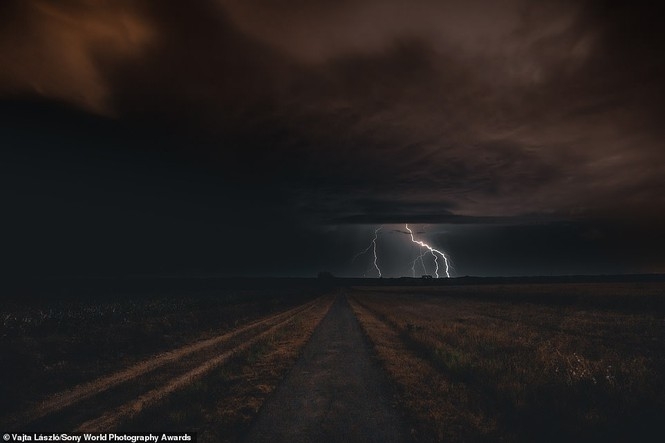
[
  {"x": 434, "y": 253},
  {"x": 422, "y": 262},
  {"x": 372, "y": 245}
]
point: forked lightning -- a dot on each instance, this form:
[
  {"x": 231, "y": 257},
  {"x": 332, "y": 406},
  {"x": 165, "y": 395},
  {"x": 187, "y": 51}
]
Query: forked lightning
[
  {"x": 371, "y": 245},
  {"x": 422, "y": 245},
  {"x": 434, "y": 253}
]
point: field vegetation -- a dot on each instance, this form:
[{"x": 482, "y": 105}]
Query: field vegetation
[
  {"x": 522, "y": 363},
  {"x": 48, "y": 345},
  {"x": 509, "y": 362}
]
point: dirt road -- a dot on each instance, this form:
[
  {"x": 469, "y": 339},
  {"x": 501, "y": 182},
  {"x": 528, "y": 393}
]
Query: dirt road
[{"x": 336, "y": 392}]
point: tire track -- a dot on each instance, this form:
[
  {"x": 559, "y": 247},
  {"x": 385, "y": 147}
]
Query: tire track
[
  {"x": 61, "y": 401},
  {"x": 111, "y": 419}
]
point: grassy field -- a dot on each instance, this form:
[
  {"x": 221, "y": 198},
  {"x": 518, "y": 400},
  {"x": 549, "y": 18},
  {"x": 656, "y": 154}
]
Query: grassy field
[
  {"x": 50, "y": 344},
  {"x": 519, "y": 363},
  {"x": 505, "y": 362}
]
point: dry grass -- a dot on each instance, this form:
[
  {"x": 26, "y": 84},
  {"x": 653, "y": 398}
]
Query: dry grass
[
  {"x": 531, "y": 368},
  {"x": 49, "y": 345},
  {"x": 221, "y": 406},
  {"x": 436, "y": 407}
]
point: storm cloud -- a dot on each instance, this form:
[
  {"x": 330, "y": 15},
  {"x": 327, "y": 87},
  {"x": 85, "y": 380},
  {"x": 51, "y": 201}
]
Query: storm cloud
[{"x": 511, "y": 112}]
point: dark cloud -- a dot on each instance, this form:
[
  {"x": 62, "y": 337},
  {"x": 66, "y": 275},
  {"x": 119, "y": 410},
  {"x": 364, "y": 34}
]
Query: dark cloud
[{"x": 503, "y": 113}]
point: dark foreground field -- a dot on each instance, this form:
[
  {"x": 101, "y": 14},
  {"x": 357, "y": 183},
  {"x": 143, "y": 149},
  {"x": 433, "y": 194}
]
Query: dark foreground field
[
  {"x": 523, "y": 362},
  {"x": 81, "y": 357},
  {"x": 533, "y": 361}
]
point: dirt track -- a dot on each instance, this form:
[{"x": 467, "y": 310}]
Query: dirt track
[
  {"x": 336, "y": 392},
  {"x": 103, "y": 403}
]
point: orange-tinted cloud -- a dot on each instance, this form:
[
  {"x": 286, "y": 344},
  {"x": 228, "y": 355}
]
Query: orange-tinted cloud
[{"x": 55, "y": 49}]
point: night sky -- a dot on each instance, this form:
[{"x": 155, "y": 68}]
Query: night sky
[{"x": 271, "y": 138}]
